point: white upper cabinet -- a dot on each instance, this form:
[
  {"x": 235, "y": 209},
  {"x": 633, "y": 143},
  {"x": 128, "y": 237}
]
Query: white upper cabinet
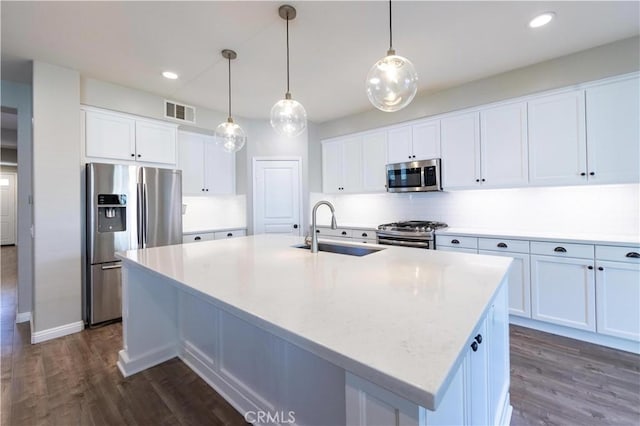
[
  {"x": 461, "y": 151},
  {"x": 613, "y": 132},
  {"x": 155, "y": 142},
  {"x": 426, "y": 140},
  {"x": 420, "y": 141},
  {"x": 354, "y": 164},
  {"x": 206, "y": 168},
  {"x": 503, "y": 145},
  {"x": 118, "y": 136},
  {"x": 374, "y": 160},
  {"x": 399, "y": 146},
  {"x": 110, "y": 136},
  {"x": 557, "y": 142}
]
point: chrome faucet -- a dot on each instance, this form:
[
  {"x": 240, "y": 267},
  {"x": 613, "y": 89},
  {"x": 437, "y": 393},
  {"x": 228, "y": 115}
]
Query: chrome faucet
[{"x": 314, "y": 233}]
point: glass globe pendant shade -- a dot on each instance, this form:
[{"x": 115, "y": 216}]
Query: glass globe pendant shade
[
  {"x": 288, "y": 117},
  {"x": 230, "y": 136},
  {"x": 392, "y": 82}
]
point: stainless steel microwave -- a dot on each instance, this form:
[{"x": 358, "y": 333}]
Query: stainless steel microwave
[{"x": 414, "y": 176}]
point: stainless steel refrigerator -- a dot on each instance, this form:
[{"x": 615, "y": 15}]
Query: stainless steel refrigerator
[{"x": 128, "y": 207}]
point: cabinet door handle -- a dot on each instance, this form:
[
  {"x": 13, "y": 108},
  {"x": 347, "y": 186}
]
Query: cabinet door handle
[
  {"x": 483, "y": 179},
  {"x": 560, "y": 250},
  {"x": 592, "y": 173},
  {"x": 229, "y": 234},
  {"x": 295, "y": 226},
  {"x": 600, "y": 268},
  {"x": 139, "y": 155},
  {"x": 197, "y": 238},
  {"x": 133, "y": 155},
  {"x": 633, "y": 255},
  {"x": 478, "y": 338},
  {"x": 589, "y": 267},
  {"x": 364, "y": 234},
  {"x": 477, "y": 180},
  {"x": 474, "y": 346},
  {"x": 502, "y": 245},
  {"x": 317, "y": 231},
  {"x": 455, "y": 242},
  {"x": 583, "y": 174}
]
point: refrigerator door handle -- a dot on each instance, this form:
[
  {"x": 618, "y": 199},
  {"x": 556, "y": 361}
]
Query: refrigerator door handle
[
  {"x": 145, "y": 215},
  {"x": 139, "y": 215},
  {"x": 104, "y": 268}
]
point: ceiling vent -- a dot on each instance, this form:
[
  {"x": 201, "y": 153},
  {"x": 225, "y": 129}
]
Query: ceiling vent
[{"x": 179, "y": 112}]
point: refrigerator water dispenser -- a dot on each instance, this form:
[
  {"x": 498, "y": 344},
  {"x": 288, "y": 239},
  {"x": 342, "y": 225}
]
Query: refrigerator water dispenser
[{"x": 112, "y": 212}]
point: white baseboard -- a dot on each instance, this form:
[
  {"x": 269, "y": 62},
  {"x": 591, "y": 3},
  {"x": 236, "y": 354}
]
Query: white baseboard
[
  {"x": 55, "y": 332},
  {"x": 129, "y": 367},
  {"x": 23, "y": 317},
  {"x": 586, "y": 336}
]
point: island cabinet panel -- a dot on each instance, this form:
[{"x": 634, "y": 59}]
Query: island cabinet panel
[
  {"x": 477, "y": 392},
  {"x": 199, "y": 329}
]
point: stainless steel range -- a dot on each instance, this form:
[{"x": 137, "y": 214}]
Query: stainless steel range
[{"x": 413, "y": 233}]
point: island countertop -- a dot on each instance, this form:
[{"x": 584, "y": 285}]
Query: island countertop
[{"x": 400, "y": 317}]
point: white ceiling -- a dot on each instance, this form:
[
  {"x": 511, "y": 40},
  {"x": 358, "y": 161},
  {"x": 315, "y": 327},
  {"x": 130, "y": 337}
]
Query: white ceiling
[{"x": 333, "y": 45}]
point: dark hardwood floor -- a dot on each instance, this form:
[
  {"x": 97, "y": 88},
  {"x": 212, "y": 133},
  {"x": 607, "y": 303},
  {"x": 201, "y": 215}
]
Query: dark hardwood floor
[{"x": 74, "y": 380}]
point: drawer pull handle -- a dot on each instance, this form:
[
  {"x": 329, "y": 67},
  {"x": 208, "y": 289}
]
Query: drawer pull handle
[
  {"x": 317, "y": 231},
  {"x": 344, "y": 232},
  {"x": 455, "y": 242},
  {"x": 197, "y": 238},
  {"x": 560, "y": 250},
  {"x": 364, "y": 234},
  {"x": 229, "y": 234},
  {"x": 502, "y": 245},
  {"x": 633, "y": 255}
]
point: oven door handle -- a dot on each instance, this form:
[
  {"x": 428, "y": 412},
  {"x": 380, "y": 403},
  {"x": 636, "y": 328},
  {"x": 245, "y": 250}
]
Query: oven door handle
[{"x": 416, "y": 244}]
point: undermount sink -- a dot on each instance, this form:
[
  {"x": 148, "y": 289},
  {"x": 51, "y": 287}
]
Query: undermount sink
[{"x": 340, "y": 249}]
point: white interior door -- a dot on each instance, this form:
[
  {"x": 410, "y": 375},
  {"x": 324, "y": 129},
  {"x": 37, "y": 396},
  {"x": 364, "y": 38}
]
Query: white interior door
[
  {"x": 7, "y": 208},
  {"x": 276, "y": 203}
]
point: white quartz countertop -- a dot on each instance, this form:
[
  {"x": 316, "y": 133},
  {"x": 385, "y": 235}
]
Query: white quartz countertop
[
  {"x": 584, "y": 238},
  {"x": 400, "y": 317}
]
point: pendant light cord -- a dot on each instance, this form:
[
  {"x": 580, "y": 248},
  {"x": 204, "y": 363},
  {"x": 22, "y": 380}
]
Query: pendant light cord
[
  {"x": 287, "y": 52},
  {"x": 229, "y": 59},
  {"x": 390, "y": 28}
]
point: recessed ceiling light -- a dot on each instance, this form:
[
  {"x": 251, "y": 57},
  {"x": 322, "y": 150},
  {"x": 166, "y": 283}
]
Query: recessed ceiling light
[
  {"x": 170, "y": 75},
  {"x": 542, "y": 19}
]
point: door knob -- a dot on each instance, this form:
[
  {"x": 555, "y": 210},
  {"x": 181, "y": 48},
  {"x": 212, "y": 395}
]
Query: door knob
[{"x": 295, "y": 226}]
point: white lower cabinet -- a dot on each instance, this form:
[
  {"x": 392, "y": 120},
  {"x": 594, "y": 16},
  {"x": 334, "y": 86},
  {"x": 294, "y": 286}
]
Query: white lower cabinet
[
  {"x": 519, "y": 275},
  {"x": 618, "y": 297},
  {"x": 563, "y": 291},
  {"x": 477, "y": 393}
]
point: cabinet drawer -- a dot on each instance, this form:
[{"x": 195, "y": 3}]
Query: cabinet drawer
[
  {"x": 192, "y": 238},
  {"x": 456, "y": 241},
  {"x": 221, "y": 235},
  {"x": 340, "y": 232},
  {"x": 618, "y": 254},
  {"x": 495, "y": 244},
  {"x": 562, "y": 249}
]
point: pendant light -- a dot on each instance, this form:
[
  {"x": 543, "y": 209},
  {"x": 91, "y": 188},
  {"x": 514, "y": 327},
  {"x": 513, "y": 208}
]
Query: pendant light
[
  {"x": 392, "y": 82},
  {"x": 229, "y": 135},
  {"x": 288, "y": 116}
]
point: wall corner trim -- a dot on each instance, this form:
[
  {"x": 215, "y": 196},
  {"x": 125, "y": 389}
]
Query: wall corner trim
[
  {"x": 55, "y": 332},
  {"x": 23, "y": 317}
]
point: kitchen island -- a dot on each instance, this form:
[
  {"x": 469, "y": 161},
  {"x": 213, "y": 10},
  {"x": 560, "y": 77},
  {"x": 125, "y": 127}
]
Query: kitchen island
[{"x": 399, "y": 336}]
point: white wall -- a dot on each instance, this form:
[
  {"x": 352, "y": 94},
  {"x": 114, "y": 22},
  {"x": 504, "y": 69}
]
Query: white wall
[
  {"x": 263, "y": 141},
  {"x": 609, "y": 210},
  {"x": 56, "y": 192},
  {"x": 18, "y": 96}
]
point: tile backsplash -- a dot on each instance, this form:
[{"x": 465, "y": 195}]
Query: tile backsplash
[
  {"x": 218, "y": 212},
  {"x": 602, "y": 209}
]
